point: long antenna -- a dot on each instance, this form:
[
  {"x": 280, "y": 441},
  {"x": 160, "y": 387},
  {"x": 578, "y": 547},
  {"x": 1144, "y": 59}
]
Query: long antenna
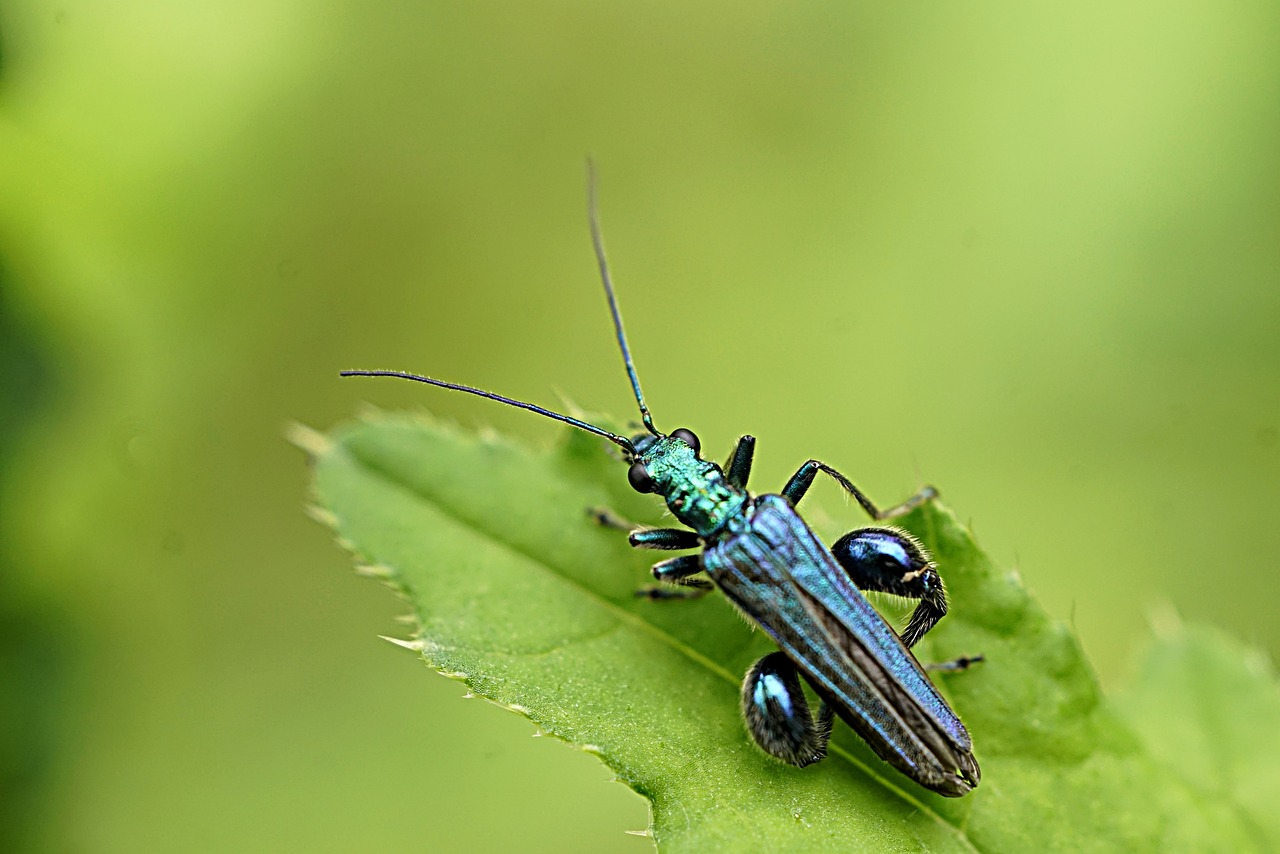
[
  {"x": 598, "y": 241},
  {"x": 582, "y": 425}
]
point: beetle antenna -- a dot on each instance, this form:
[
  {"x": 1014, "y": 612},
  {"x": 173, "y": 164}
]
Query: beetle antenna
[
  {"x": 597, "y": 241},
  {"x": 519, "y": 404}
]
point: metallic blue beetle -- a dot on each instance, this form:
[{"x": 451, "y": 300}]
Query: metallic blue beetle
[{"x": 774, "y": 569}]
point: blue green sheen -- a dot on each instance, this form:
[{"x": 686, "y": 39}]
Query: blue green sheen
[
  {"x": 769, "y": 564},
  {"x": 774, "y": 569},
  {"x": 696, "y": 490},
  {"x": 778, "y": 572}
]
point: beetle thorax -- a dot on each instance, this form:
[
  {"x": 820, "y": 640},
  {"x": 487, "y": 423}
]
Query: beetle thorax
[{"x": 696, "y": 490}]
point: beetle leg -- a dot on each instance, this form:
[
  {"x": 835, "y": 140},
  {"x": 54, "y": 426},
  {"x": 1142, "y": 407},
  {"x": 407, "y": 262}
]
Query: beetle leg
[
  {"x": 738, "y": 468},
  {"x": 606, "y": 518},
  {"x": 664, "y": 539},
  {"x": 888, "y": 560},
  {"x": 803, "y": 479},
  {"x": 675, "y": 571},
  {"x": 678, "y": 571},
  {"x": 955, "y": 665},
  {"x": 777, "y": 713}
]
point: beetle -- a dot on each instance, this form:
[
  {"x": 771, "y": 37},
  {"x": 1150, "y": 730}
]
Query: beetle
[{"x": 764, "y": 558}]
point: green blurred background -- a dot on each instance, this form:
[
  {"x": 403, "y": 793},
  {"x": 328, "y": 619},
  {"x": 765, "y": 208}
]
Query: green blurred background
[{"x": 1027, "y": 253}]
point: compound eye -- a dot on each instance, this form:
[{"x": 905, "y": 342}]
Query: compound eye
[
  {"x": 640, "y": 479},
  {"x": 688, "y": 438}
]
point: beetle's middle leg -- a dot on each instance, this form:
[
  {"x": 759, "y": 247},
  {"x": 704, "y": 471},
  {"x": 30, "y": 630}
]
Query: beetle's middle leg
[
  {"x": 883, "y": 559},
  {"x": 803, "y": 479},
  {"x": 887, "y": 560},
  {"x": 678, "y": 571}
]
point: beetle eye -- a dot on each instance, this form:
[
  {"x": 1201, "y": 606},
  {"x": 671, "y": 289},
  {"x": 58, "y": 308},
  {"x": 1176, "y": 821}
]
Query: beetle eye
[
  {"x": 688, "y": 438},
  {"x": 640, "y": 479}
]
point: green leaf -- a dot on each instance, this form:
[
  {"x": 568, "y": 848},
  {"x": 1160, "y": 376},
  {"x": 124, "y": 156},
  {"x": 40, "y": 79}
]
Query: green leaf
[
  {"x": 520, "y": 596},
  {"x": 1207, "y": 710}
]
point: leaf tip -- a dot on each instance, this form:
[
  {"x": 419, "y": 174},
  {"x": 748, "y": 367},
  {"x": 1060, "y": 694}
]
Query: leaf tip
[
  {"x": 377, "y": 571},
  {"x": 323, "y": 515},
  {"x": 367, "y": 412},
  {"x": 1165, "y": 621},
  {"x": 308, "y": 439},
  {"x": 1257, "y": 663},
  {"x": 645, "y": 833},
  {"x": 414, "y": 645}
]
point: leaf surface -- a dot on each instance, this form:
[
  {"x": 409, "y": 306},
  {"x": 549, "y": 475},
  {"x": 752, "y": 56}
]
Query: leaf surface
[{"x": 516, "y": 593}]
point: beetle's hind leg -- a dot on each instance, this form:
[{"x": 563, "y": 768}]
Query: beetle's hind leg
[
  {"x": 955, "y": 665},
  {"x": 777, "y": 713},
  {"x": 887, "y": 560}
]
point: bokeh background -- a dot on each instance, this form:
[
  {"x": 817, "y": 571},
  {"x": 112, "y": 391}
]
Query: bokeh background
[{"x": 1027, "y": 253}]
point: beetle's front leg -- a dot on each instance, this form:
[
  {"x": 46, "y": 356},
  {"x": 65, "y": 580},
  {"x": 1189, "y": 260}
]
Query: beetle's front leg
[
  {"x": 803, "y": 479},
  {"x": 606, "y": 518},
  {"x": 738, "y": 468},
  {"x": 664, "y": 539},
  {"x": 661, "y": 539},
  {"x": 676, "y": 571}
]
